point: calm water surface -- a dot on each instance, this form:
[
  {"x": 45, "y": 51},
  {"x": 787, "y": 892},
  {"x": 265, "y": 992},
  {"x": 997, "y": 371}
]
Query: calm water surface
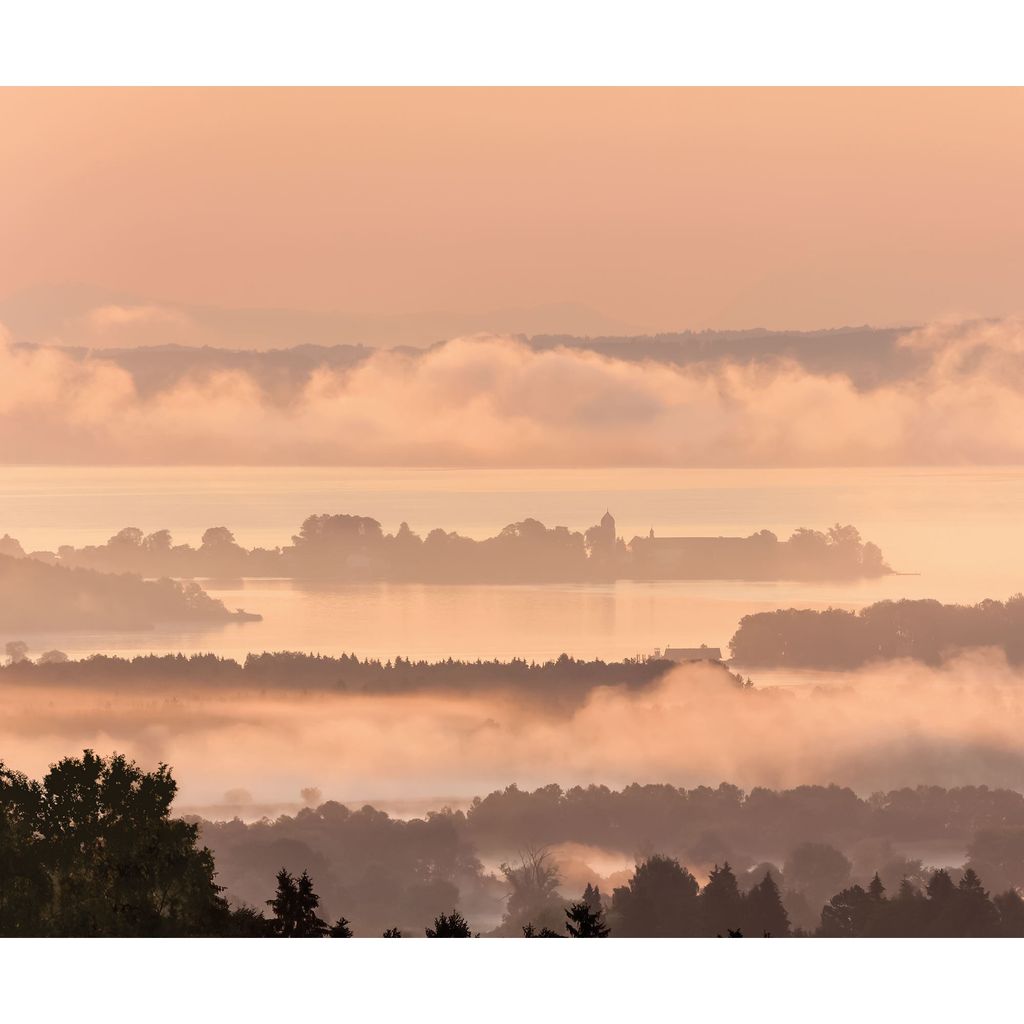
[{"x": 955, "y": 531}]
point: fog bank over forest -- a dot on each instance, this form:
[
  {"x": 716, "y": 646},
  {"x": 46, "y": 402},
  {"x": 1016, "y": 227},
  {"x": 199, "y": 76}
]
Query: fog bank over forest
[
  {"x": 955, "y": 395},
  {"x": 901, "y": 724}
]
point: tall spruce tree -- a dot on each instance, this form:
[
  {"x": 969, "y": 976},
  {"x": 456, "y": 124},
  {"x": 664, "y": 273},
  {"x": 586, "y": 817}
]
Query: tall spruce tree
[
  {"x": 294, "y": 907},
  {"x": 976, "y": 915},
  {"x": 763, "y": 910},
  {"x": 583, "y": 923},
  {"x": 720, "y": 901},
  {"x": 592, "y": 898}
]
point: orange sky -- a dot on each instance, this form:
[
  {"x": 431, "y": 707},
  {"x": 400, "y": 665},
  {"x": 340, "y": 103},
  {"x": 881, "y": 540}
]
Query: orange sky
[{"x": 661, "y": 209}]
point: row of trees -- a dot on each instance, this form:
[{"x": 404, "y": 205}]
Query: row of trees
[
  {"x": 356, "y": 547},
  {"x": 944, "y": 909},
  {"x": 726, "y": 822},
  {"x": 563, "y": 679},
  {"x": 92, "y": 849},
  {"x": 663, "y": 899},
  {"x": 295, "y": 915},
  {"x": 924, "y": 630},
  {"x": 383, "y": 869}
]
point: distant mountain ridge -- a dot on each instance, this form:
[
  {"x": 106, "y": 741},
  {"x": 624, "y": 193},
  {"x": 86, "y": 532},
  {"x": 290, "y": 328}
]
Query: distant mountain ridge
[{"x": 88, "y": 316}]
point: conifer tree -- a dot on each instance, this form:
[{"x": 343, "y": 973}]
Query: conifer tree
[
  {"x": 976, "y": 916},
  {"x": 763, "y": 910},
  {"x": 908, "y": 912},
  {"x": 294, "y": 907},
  {"x": 592, "y": 898},
  {"x": 876, "y": 890},
  {"x": 940, "y": 887},
  {"x": 583, "y": 923},
  {"x": 720, "y": 901},
  {"x": 659, "y": 900},
  {"x": 449, "y": 926},
  {"x": 340, "y": 929}
]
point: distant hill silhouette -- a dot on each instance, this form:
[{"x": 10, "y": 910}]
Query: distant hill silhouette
[{"x": 38, "y": 596}]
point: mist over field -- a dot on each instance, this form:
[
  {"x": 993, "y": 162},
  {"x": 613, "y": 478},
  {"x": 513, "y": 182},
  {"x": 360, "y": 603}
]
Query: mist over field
[{"x": 878, "y": 728}]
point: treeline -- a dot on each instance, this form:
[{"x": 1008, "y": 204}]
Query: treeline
[
  {"x": 661, "y": 899},
  {"x": 924, "y": 630},
  {"x": 91, "y": 850},
  {"x": 706, "y": 823},
  {"x": 564, "y": 678},
  {"x": 352, "y": 547},
  {"x": 38, "y": 596},
  {"x": 380, "y": 868}
]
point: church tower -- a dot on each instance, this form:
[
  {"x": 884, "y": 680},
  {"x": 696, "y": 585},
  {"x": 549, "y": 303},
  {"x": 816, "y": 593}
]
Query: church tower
[{"x": 601, "y": 540}]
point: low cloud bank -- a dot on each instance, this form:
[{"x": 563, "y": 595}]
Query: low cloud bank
[
  {"x": 495, "y": 401},
  {"x": 880, "y": 728}
]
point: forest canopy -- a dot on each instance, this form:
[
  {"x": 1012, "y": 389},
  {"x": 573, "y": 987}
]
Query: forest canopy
[
  {"x": 923, "y": 630},
  {"x": 92, "y": 849}
]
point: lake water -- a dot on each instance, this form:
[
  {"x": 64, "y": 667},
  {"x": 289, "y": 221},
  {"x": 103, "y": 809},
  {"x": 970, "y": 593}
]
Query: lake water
[{"x": 955, "y": 532}]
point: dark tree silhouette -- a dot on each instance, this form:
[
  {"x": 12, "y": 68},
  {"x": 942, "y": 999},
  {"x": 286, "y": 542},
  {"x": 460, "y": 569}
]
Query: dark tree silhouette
[
  {"x": 720, "y": 902},
  {"x": 584, "y": 923},
  {"x": 294, "y": 907},
  {"x": 340, "y": 929},
  {"x": 763, "y": 910},
  {"x": 92, "y": 850},
  {"x": 1010, "y": 908},
  {"x": 976, "y": 915},
  {"x": 449, "y": 926},
  {"x": 659, "y": 900},
  {"x": 392, "y": 933},
  {"x": 951, "y": 909},
  {"x": 846, "y": 914},
  {"x": 249, "y": 923},
  {"x": 940, "y": 886},
  {"x": 530, "y": 932},
  {"x": 592, "y": 898},
  {"x": 876, "y": 891}
]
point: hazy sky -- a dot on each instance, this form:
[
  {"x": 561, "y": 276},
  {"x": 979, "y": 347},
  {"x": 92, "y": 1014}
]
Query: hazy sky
[{"x": 660, "y": 209}]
